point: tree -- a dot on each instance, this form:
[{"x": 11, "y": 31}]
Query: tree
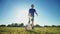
[
  {"x": 8, "y": 25},
  {"x": 21, "y": 25},
  {"x": 37, "y": 25},
  {"x": 53, "y": 26},
  {"x": 14, "y": 25},
  {"x": 45, "y": 25},
  {"x": 58, "y": 26},
  {"x": 2, "y": 25}
]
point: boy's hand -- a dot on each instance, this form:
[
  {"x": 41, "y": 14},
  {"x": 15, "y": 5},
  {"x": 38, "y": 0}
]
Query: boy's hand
[{"x": 37, "y": 14}]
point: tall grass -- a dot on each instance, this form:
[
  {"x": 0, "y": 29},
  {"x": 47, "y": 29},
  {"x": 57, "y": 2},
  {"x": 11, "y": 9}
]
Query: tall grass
[{"x": 36, "y": 30}]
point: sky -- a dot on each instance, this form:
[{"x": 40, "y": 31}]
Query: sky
[{"x": 16, "y": 11}]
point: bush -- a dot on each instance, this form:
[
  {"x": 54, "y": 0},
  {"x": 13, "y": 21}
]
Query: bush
[
  {"x": 46, "y": 26},
  {"x": 21, "y": 25},
  {"x": 37, "y": 25},
  {"x": 53, "y": 26},
  {"x": 2, "y": 25}
]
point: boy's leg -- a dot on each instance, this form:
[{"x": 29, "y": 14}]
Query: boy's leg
[
  {"x": 32, "y": 22},
  {"x": 29, "y": 20}
]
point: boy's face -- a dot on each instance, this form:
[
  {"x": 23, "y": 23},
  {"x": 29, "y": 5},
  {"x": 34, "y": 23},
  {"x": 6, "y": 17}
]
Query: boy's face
[{"x": 32, "y": 6}]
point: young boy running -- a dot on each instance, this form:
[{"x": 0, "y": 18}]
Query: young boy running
[{"x": 31, "y": 15}]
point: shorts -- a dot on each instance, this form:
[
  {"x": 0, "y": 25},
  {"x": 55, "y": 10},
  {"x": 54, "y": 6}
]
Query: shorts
[{"x": 32, "y": 18}]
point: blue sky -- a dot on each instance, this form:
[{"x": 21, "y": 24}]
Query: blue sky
[{"x": 16, "y": 11}]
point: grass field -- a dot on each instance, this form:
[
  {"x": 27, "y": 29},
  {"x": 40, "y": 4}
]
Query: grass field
[{"x": 21, "y": 30}]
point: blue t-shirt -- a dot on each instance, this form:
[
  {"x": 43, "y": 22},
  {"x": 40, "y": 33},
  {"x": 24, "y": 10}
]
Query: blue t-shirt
[{"x": 31, "y": 11}]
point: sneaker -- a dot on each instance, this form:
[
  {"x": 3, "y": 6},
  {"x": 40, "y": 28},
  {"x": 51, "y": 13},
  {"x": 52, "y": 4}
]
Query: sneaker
[{"x": 33, "y": 27}]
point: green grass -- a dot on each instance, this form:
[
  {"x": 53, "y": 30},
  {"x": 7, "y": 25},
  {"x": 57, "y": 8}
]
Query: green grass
[{"x": 21, "y": 30}]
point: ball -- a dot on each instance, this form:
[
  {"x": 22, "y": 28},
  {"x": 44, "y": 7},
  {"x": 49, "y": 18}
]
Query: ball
[{"x": 28, "y": 27}]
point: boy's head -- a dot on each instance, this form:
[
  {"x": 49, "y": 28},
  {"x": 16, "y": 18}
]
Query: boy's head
[{"x": 32, "y": 6}]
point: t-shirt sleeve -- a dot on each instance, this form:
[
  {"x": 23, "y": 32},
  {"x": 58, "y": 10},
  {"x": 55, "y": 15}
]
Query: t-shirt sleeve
[{"x": 34, "y": 10}]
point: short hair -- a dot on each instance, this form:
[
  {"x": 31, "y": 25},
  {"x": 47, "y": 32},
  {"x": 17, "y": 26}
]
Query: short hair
[{"x": 32, "y": 5}]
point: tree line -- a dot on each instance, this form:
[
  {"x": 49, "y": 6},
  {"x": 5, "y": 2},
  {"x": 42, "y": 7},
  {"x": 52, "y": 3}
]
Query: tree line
[
  {"x": 12, "y": 25},
  {"x": 22, "y": 25}
]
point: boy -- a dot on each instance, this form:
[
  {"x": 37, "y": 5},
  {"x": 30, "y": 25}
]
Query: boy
[{"x": 31, "y": 14}]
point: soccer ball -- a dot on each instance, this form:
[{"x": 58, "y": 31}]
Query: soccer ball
[{"x": 28, "y": 27}]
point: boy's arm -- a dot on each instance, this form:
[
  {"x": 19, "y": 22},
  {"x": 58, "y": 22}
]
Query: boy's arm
[{"x": 36, "y": 13}]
